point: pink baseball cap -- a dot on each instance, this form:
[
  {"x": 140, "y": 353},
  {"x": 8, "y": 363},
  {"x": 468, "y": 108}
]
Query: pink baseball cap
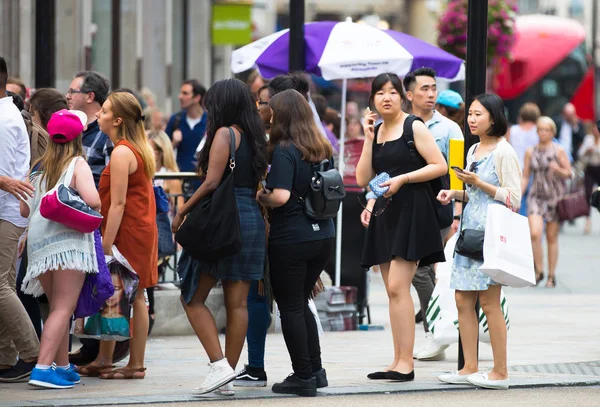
[{"x": 66, "y": 125}]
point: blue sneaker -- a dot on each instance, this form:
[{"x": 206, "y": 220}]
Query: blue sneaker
[
  {"x": 69, "y": 374},
  {"x": 49, "y": 379}
]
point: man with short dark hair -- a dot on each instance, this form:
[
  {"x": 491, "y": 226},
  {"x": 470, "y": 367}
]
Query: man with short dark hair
[
  {"x": 18, "y": 338},
  {"x": 421, "y": 92},
  {"x": 186, "y": 128},
  {"x": 88, "y": 92},
  {"x": 17, "y": 86}
]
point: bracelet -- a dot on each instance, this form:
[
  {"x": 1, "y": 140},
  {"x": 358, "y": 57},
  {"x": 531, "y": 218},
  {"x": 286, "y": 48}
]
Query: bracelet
[
  {"x": 407, "y": 179},
  {"x": 456, "y": 217}
]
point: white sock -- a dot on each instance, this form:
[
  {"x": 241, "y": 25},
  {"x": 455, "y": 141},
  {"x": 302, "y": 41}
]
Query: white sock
[
  {"x": 63, "y": 367},
  {"x": 43, "y": 367}
]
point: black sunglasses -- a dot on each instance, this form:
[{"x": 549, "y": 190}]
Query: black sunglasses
[{"x": 378, "y": 211}]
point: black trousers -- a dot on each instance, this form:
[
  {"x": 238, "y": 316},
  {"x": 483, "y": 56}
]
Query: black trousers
[
  {"x": 295, "y": 269},
  {"x": 31, "y": 304}
]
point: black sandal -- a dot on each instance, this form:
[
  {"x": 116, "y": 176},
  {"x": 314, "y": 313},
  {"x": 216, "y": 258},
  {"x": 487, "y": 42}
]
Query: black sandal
[
  {"x": 539, "y": 276},
  {"x": 551, "y": 283}
]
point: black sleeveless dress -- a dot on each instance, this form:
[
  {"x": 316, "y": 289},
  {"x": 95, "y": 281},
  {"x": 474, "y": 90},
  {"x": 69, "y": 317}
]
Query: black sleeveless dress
[{"x": 408, "y": 227}]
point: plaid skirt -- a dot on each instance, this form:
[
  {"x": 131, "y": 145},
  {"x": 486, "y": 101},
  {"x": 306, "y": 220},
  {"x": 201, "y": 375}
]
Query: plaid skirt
[{"x": 248, "y": 265}]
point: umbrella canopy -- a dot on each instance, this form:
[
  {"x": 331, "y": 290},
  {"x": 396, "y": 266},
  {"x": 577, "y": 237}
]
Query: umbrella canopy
[{"x": 346, "y": 50}]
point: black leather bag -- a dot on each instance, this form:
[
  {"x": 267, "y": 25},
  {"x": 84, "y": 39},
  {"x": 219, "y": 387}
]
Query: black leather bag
[
  {"x": 211, "y": 230},
  {"x": 470, "y": 244},
  {"x": 325, "y": 193}
]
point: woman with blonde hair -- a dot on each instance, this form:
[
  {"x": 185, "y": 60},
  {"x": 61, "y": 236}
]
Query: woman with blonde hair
[
  {"x": 165, "y": 162},
  {"x": 129, "y": 210},
  {"x": 548, "y": 165},
  {"x": 59, "y": 257}
]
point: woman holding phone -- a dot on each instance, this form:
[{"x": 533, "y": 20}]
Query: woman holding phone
[
  {"x": 493, "y": 177},
  {"x": 403, "y": 228}
]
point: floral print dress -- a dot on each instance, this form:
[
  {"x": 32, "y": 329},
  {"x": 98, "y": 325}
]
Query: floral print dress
[{"x": 465, "y": 272}]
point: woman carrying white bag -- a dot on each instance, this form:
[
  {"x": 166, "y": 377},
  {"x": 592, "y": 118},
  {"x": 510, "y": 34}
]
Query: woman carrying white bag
[{"x": 494, "y": 177}]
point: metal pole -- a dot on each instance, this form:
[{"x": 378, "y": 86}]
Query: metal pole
[
  {"x": 594, "y": 47},
  {"x": 116, "y": 44},
  {"x": 475, "y": 85},
  {"x": 296, "y": 58},
  {"x": 340, "y": 217},
  {"x": 45, "y": 41}
]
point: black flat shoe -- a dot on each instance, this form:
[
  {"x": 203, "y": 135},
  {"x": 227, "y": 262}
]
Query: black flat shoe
[
  {"x": 377, "y": 376},
  {"x": 400, "y": 377}
]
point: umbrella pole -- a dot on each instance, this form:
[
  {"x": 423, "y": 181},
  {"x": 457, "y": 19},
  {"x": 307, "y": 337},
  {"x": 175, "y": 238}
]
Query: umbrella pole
[{"x": 338, "y": 235}]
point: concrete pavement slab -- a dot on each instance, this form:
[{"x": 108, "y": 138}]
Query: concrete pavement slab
[{"x": 549, "y": 327}]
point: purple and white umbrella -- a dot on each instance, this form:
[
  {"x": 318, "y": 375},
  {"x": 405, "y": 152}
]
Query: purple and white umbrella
[{"x": 346, "y": 50}]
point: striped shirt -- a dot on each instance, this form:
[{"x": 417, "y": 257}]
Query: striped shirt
[{"x": 98, "y": 148}]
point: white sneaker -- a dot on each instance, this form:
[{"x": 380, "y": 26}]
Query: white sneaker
[
  {"x": 219, "y": 374},
  {"x": 482, "y": 380},
  {"x": 454, "y": 378},
  {"x": 431, "y": 350},
  {"x": 226, "y": 390}
]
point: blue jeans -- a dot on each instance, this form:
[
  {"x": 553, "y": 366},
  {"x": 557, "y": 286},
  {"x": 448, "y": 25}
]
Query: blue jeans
[
  {"x": 259, "y": 319},
  {"x": 523, "y": 208}
]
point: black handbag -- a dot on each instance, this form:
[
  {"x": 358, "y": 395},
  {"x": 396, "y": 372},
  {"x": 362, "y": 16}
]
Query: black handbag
[
  {"x": 211, "y": 230},
  {"x": 470, "y": 242}
]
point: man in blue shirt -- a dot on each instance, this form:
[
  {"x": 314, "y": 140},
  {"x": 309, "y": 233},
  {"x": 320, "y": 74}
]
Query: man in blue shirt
[
  {"x": 421, "y": 91},
  {"x": 186, "y": 128}
]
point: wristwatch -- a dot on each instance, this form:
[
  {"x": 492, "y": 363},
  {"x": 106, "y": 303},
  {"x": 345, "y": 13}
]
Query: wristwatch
[{"x": 456, "y": 217}]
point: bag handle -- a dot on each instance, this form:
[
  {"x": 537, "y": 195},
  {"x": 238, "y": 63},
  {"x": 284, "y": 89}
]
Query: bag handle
[{"x": 231, "y": 149}]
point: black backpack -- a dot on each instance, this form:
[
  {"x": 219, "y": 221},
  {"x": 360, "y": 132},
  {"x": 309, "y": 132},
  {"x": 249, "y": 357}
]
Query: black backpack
[
  {"x": 325, "y": 194},
  {"x": 444, "y": 212}
]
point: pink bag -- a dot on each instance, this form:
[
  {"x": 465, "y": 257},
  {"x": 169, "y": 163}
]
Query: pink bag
[{"x": 63, "y": 204}]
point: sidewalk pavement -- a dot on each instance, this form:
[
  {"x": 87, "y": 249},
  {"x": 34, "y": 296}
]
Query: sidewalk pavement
[{"x": 553, "y": 341}]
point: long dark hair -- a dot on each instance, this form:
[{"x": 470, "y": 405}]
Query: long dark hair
[
  {"x": 227, "y": 103},
  {"x": 294, "y": 123}
]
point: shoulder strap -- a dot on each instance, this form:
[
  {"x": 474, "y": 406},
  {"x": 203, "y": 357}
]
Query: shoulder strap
[
  {"x": 375, "y": 131},
  {"x": 409, "y": 139},
  {"x": 70, "y": 171},
  {"x": 231, "y": 149},
  {"x": 177, "y": 120}
]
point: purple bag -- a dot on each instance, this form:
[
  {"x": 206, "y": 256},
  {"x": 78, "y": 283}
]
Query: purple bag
[{"x": 98, "y": 287}]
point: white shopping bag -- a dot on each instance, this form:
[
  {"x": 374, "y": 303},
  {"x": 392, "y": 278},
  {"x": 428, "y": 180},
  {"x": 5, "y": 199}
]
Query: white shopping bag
[
  {"x": 442, "y": 314},
  {"x": 507, "y": 252}
]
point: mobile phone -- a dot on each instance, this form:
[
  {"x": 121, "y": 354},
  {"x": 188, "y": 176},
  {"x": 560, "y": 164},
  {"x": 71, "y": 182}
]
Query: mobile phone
[
  {"x": 370, "y": 121},
  {"x": 457, "y": 169}
]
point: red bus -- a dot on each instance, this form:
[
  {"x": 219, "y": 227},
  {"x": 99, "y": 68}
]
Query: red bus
[{"x": 549, "y": 67}]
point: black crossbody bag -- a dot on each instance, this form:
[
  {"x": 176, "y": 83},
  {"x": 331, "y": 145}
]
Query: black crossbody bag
[{"x": 470, "y": 241}]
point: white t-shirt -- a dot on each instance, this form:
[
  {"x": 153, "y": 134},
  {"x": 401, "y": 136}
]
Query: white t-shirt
[
  {"x": 14, "y": 160},
  {"x": 565, "y": 137},
  {"x": 192, "y": 122},
  {"x": 522, "y": 140}
]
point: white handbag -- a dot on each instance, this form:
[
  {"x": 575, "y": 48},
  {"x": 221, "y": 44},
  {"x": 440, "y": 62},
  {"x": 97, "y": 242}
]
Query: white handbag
[{"x": 507, "y": 252}]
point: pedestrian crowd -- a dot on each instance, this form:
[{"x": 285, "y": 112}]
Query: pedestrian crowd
[{"x": 259, "y": 218}]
